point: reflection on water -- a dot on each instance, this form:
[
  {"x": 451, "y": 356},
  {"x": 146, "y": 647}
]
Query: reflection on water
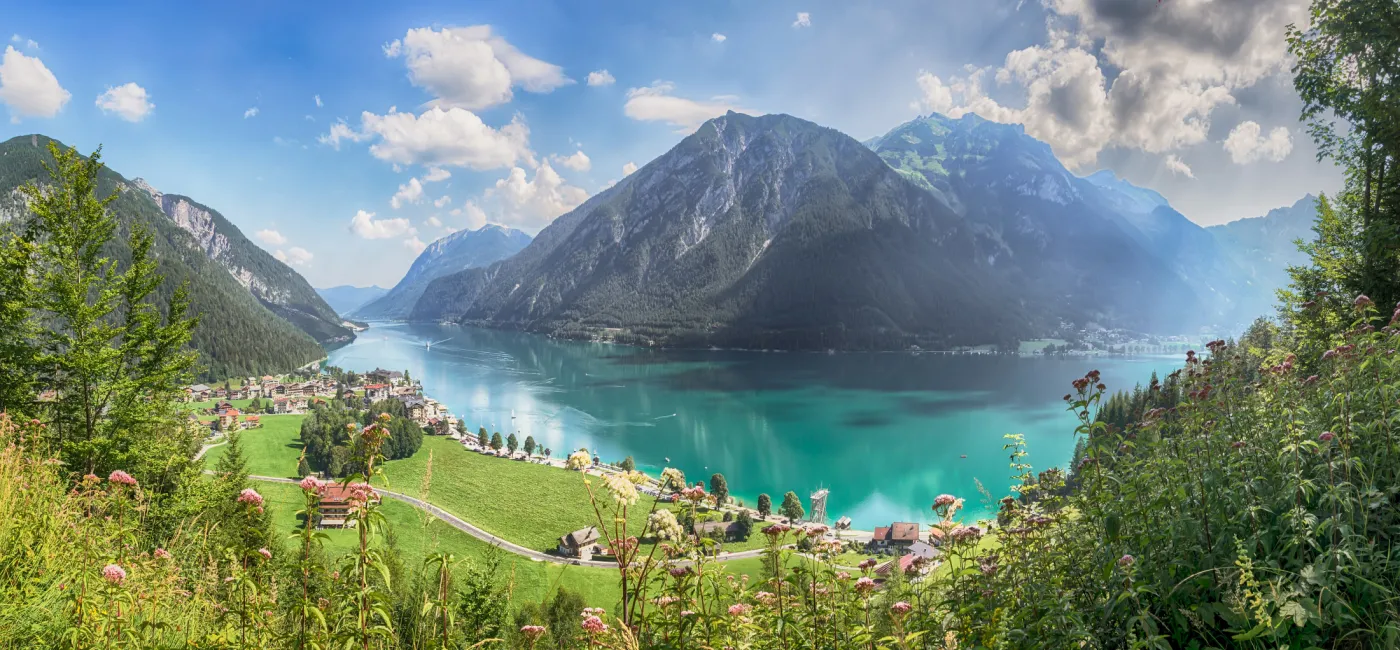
[{"x": 884, "y": 432}]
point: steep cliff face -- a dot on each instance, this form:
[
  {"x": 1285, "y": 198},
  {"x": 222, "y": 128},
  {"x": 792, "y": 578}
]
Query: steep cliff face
[
  {"x": 461, "y": 250},
  {"x": 273, "y": 283}
]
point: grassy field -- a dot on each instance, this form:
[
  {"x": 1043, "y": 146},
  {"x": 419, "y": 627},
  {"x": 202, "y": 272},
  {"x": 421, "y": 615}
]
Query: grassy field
[
  {"x": 532, "y": 581},
  {"x": 531, "y": 505},
  {"x": 1035, "y": 346},
  {"x": 270, "y": 450}
]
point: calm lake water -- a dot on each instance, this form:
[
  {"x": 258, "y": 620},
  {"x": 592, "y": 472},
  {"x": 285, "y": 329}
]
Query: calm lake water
[{"x": 886, "y": 433}]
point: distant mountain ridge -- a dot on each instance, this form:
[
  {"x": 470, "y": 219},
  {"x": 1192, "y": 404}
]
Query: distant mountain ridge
[
  {"x": 1266, "y": 246},
  {"x": 346, "y": 298},
  {"x": 458, "y": 251},
  {"x": 752, "y": 232},
  {"x": 237, "y": 335},
  {"x": 272, "y": 282}
]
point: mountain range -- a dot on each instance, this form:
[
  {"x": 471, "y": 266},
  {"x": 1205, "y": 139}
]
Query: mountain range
[
  {"x": 458, "y": 251},
  {"x": 256, "y": 314},
  {"x": 774, "y": 232},
  {"x": 345, "y": 298}
]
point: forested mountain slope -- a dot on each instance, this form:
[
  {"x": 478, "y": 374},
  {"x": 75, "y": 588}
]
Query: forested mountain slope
[
  {"x": 1266, "y": 246},
  {"x": 272, "y": 282},
  {"x": 237, "y": 334}
]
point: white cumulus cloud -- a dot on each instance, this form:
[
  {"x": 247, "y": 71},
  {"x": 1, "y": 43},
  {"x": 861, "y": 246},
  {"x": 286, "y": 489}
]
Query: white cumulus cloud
[
  {"x": 533, "y": 203},
  {"x": 437, "y": 174},
  {"x": 442, "y": 201},
  {"x": 1246, "y": 143},
  {"x": 656, "y": 103},
  {"x": 804, "y": 19},
  {"x": 129, "y": 101},
  {"x": 628, "y": 168},
  {"x": 600, "y": 78},
  {"x": 252, "y": 112},
  {"x": 718, "y": 37},
  {"x": 1176, "y": 166},
  {"x": 410, "y": 192},
  {"x": 472, "y": 213},
  {"x": 28, "y": 88},
  {"x": 295, "y": 256},
  {"x": 578, "y": 161},
  {"x": 271, "y": 237},
  {"x": 437, "y": 138},
  {"x": 318, "y": 100},
  {"x": 470, "y": 67},
  {"x": 434, "y": 222},
  {"x": 365, "y": 225},
  {"x": 341, "y": 131},
  {"x": 414, "y": 244}
]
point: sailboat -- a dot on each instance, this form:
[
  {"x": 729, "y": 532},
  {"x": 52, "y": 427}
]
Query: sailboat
[{"x": 429, "y": 344}]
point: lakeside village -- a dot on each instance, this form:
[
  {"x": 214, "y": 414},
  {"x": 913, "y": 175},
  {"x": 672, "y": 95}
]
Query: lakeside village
[{"x": 904, "y": 546}]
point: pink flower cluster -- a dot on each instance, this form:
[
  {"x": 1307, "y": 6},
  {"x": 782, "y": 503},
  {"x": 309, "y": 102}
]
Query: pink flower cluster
[
  {"x": 696, "y": 493},
  {"x": 532, "y": 632},
  {"x": 250, "y": 497},
  {"x": 776, "y": 530},
  {"x": 311, "y": 484},
  {"x": 592, "y": 620},
  {"x": 900, "y": 608},
  {"x": 944, "y": 500},
  {"x": 114, "y": 574},
  {"x": 965, "y": 533},
  {"x": 121, "y": 477},
  {"x": 738, "y": 609},
  {"x": 1326, "y": 436},
  {"x": 865, "y": 585},
  {"x": 867, "y": 564},
  {"x": 161, "y": 554},
  {"x": 267, "y": 555}
]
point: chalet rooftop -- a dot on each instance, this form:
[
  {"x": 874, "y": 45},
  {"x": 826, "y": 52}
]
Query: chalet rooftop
[{"x": 580, "y": 537}]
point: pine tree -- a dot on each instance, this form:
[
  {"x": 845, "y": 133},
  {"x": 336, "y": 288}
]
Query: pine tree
[
  {"x": 114, "y": 361},
  {"x": 765, "y": 505},
  {"x": 530, "y": 445},
  {"x": 496, "y": 441},
  {"x": 231, "y": 470},
  {"x": 512, "y": 443},
  {"x": 303, "y": 467},
  {"x": 481, "y": 438}
]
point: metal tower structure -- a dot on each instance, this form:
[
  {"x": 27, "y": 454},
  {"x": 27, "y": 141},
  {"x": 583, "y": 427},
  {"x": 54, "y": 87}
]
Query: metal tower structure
[{"x": 818, "y": 514}]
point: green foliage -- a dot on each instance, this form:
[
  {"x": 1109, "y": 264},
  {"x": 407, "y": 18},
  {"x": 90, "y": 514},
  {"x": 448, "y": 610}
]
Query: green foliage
[
  {"x": 719, "y": 488},
  {"x": 530, "y": 445},
  {"x": 792, "y": 507},
  {"x": 765, "y": 506},
  {"x": 512, "y": 443},
  {"x": 628, "y": 465},
  {"x": 482, "y": 440},
  {"x": 328, "y": 433},
  {"x": 496, "y": 442}
]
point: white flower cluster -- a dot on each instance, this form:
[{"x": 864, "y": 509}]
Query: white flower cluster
[
  {"x": 578, "y": 460},
  {"x": 664, "y": 525},
  {"x": 672, "y": 478},
  {"x": 623, "y": 490}
]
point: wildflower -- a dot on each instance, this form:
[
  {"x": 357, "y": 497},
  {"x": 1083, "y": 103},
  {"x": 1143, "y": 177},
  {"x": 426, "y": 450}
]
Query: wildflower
[
  {"x": 335, "y": 575},
  {"x": 776, "y": 529},
  {"x": 1362, "y": 301},
  {"x": 900, "y": 608},
  {"x": 965, "y": 533},
  {"x": 843, "y": 576},
  {"x": 114, "y": 574},
  {"x": 623, "y": 491},
  {"x": 988, "y": 568},
  {"x": 91, "y": 479},
  {"x": 944, "y": 500},
  {"x": 1329, "y": 354},
  {"x": 694, "y": 494},
  {"x": 267, "y": 555},
  {"x": 310, "y": 483},
  {"x": 686, "y": 612},
  {"x": 680, "y": 571},
  {"x": 121, "y": 477},
  {"x": 1238, "y": 444},
  {"x": 665, "y": 600},
  {"x": 1309, "y": 380},
  {"x": 1126, "y": 561},
  {"x": 817, "y": 530},
  {"x": 594, "y": 625},
  {"x": 532, "y": 632},
  {"x": 738, "y": 609},
  {"x": 867, "y": 564},
  {"x": 161, "y": 554},
  {"x": 663, "y": 523},
  {"x": 250, "y": 497},
  {"x": 865, "y": 585},
  {"x": 1326, "y": 436},
  {"x": 764, "y": 597}
]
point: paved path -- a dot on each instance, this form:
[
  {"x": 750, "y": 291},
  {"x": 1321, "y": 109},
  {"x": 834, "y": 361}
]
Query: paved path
[{"x": 468, "y": 528}]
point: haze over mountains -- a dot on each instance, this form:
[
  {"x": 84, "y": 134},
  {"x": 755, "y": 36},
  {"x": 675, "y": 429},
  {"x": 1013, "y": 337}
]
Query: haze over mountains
[
  {"x": 458, "y": 251},
  {"x": 776, "y": 232},
  {"x": 345, "y": 298}
]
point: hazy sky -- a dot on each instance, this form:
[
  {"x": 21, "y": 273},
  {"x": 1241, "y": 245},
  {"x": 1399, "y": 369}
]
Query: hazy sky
[{"x": 344, "y": 136}]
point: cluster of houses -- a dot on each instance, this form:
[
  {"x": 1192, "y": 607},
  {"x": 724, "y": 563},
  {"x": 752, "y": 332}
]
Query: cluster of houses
[
  {"x": 294, "y": 397},
  {"x": 903, "y": 538}
]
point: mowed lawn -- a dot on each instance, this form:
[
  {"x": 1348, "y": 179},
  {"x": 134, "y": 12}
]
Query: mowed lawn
[
  {"x": 529, "y": 580},
  {"x": 270, "y": 450}
]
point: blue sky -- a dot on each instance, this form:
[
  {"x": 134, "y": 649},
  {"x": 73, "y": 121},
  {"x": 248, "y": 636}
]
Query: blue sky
[{"x": 494, "y": 99}]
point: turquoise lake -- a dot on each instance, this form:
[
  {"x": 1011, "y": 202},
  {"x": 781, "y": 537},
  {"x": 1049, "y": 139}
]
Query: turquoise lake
[{"x": 885, "y": 433}]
